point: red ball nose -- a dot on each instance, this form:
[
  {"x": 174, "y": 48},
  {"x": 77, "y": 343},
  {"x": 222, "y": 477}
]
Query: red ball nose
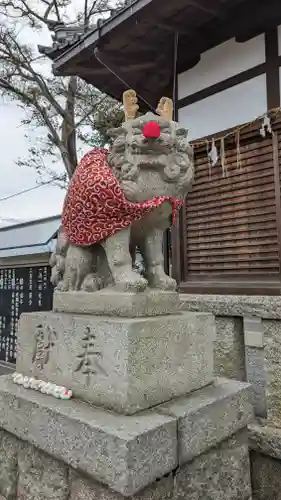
[{"x": 151, "y": 130}]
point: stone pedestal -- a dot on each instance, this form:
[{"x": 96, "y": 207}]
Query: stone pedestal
[
  {"x": 124, "y": 304},
  {"x": 174, "y": 432},
  {"x": 122, "y": 363},
  {"x": 57, "y": 449}
]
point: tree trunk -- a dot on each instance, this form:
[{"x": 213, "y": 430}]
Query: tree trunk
[{"x": 68, "y": 133}]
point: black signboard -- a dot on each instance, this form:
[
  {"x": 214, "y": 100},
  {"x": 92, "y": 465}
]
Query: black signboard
[{"x": 22, "y": 289}]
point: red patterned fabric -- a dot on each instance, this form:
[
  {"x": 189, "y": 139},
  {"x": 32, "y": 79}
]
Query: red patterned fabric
[{"x": 95, "y": 206}]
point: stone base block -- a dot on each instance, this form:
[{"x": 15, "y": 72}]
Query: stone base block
[
  {"x": 210, "y": 415},
  {"x": 126, "y": 454},
  {"x": 266, "y": 474},
  {"x": 265, "y": 445},
  {"x": 123, "y": 364},
  {"x": 110, "y": 303},
  {"x": 222, "y": 473}
]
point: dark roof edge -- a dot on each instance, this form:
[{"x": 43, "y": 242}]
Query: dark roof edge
[
  {"x": 29, "y": 223},
  {"x": 93, "y": 36},
  {"x": 36, "y": 245}
]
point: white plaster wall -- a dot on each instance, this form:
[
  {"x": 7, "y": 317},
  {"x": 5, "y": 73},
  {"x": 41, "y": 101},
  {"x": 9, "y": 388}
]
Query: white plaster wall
[
  {"x": 279, "y": 39},
  {"x": 236, "y": 105},
  {"x": 220, "y": 63}
]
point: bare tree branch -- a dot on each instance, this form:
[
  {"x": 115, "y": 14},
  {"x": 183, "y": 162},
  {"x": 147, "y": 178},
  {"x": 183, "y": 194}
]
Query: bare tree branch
[
  {"x": 70, "y": 112},
  {"x": 91, "y": 12},
  {"x": 22, "y": 60},
  {"x": 86, "y": 14}
]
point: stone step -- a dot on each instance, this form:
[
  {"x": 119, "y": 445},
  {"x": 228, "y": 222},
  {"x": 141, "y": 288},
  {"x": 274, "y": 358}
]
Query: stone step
[{"x": 108, "y": 302}]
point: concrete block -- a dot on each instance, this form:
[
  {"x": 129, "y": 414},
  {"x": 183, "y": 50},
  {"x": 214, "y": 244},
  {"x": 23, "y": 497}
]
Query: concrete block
[
  {"x": 209, "y": 416},
  {"x": 110, "y": 303},
  {"x": 127, "y": 453},
  {"x": 123, "y": 364}
]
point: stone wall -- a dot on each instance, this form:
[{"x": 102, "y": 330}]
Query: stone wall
[
  {"x": 248, "y": 345},
  {"x": 248, "y": 348},
  {"x": 229, "y": 353}
]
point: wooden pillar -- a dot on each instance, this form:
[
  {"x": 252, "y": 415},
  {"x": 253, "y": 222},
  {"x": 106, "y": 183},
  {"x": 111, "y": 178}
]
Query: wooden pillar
[
  {"x": 272, "y": 68},
  {"x": 178, "y": 235},
  {"x": 276, "y": 168}
]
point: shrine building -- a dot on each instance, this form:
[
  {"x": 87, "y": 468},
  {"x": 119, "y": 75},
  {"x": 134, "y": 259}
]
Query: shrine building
[{"x": 220, "y": 61}]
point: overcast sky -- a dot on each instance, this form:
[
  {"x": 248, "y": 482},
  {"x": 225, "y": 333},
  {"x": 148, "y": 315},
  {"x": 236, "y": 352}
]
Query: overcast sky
[
  {"x": 41, "y": 202},
  {"x": 46, "y": 200}
]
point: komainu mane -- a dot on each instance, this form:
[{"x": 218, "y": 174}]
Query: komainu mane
[{"x": 124, "y": 199}]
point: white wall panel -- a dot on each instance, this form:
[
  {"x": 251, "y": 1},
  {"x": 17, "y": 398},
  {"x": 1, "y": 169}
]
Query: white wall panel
[
  {"x": 279, "y": 39},
  {"x": 226, "y": 109},
  {"x": 220, "y": 63}
]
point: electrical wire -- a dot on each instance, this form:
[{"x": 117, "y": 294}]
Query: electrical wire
[
  {"x": 25, "y": 191},
  {"x": 97, "y": 55}
]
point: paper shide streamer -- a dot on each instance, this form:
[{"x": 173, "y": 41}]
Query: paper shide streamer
[
  {"x": 265, "y": 124},
  {"x": 266, "y": 127}
]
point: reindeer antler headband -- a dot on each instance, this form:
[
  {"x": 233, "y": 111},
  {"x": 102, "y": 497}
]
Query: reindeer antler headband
[{"x": 130, "y": 101}]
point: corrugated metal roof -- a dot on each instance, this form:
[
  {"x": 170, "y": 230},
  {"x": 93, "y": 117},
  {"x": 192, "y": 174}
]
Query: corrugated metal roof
[
  {"x": 10, "y": 221},
  {"x": 29, "y": 237},
  {"x": 25, "y": 251}
]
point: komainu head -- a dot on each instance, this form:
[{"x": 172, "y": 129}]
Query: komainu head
[{"x": 151, "y": 155}]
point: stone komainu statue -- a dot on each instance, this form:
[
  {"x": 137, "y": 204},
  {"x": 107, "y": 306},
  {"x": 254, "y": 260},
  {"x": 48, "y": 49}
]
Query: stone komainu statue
[{"x": 123, "y": 199}]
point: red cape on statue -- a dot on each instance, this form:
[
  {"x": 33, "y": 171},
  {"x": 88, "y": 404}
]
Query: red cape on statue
[{"x": 95, "y": 206}]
